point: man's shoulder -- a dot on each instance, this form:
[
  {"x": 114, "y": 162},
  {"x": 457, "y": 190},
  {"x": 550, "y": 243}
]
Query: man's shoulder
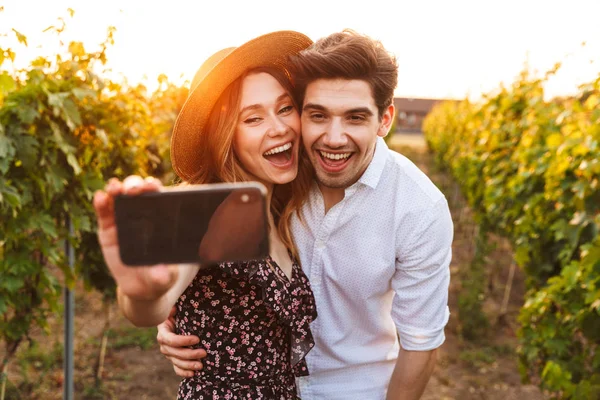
[{"x": 409, "y": 182}]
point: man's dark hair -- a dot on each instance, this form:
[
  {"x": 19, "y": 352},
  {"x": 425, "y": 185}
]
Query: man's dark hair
[{"x": 348, "y": 55}]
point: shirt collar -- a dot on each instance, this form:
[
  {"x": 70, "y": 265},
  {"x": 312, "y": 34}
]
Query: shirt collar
[{"x": 373, "y": 172}]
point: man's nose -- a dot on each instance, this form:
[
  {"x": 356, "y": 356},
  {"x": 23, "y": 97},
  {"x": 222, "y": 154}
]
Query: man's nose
[{"x": 335, "y": 136}]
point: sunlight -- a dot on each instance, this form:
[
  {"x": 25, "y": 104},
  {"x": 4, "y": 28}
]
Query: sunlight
[{"x": 452, "y": 50}]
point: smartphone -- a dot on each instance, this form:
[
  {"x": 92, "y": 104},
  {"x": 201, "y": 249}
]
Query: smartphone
[{"x": 206, "y": 224}]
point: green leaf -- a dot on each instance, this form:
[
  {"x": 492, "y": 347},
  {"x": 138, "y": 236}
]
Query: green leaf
[
  {"x": 11, "y": 284},
  {"x": 555, "y": 377},
  {"x": 590, "y": 326},
  {"x": 84, "y": 224},
  {"x": 76, "y": 49},
  {"x": 6, "y": 145},
  {"x": 81, "y": 93},
  {"x": 93, "y": 182},
  {"x": 60, "y": 139},
  {"x": 11, "y": 54},
  {"x": 570, "y": 275},
  {"x": 57, "y": 99},
  {"x": 101, "y": 133},
  {"x": 578, "y": 218},
  {"x": 522, "y": 256},
  {"x": 56, "y": 179},
  {"x": 73, "y": 163},
  {"x": 9, "y": 195},
  {"x": 27, "y": 114},
  {"x": 46, "y": 224},
  {"x": 20, "y": 37},
  {"x": 7, "y": 82},
  {"x": 73, "y": 118},
  {"x": 27, "y": 150}
]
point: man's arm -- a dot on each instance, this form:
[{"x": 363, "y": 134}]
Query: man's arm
[
  {"x": 411, "y": 374},
  {"x": 420, "y": 305}
]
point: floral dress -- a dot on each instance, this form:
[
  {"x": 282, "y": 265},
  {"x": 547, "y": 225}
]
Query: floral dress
[{"x": 253, "y": 323}]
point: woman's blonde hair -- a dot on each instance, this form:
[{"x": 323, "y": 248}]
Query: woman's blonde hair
[{"x": 221, "y": 164}]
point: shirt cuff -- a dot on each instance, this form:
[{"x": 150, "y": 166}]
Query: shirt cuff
[{"x": 413, "y": 339}]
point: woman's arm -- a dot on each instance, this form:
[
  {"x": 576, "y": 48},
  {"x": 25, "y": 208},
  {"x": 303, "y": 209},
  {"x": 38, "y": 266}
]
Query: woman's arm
[
  {"x": 145, "y": 313},
  {"x": 145, "y": 294}
]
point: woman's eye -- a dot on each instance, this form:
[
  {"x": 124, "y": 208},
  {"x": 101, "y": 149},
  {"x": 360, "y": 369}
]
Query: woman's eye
[
  {"x": 252, "y": 120},
  {"x": 286, "y": 109}
]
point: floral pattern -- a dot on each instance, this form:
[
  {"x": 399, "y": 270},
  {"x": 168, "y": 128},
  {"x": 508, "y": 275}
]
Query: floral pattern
[{"x": 253, "y": 323}]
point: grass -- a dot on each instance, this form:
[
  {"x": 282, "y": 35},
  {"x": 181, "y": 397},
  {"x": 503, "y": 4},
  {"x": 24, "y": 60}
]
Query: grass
[
  {"x": 480, "y": 357},
  {"x": 93, "y": 392},
  {"x": 41, "y": 360},
  {"x": 36, "y": 366},
  {"x": 128, "y": 337},
  {"x": 477, "y": 358},
  {"x": 144, "y": 338}
]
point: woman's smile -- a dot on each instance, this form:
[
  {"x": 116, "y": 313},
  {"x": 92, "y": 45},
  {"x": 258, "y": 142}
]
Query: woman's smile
[{"x": 281, "y": 156}]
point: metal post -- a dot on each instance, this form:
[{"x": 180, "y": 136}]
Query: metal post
[{"x": 69, "y": 317}]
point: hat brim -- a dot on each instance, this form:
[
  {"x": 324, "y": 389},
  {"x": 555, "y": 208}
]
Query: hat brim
[{"x": 272, "y": 49}]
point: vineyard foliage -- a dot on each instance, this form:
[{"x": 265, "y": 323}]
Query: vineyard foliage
[
  {"x": 65, "y": 129},
  {"x": 530, "y": 169}
]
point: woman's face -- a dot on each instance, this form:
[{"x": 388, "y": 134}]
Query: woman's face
[{"x": 267, "y": 136}]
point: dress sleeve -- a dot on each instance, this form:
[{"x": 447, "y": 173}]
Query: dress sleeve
[{"x": 421, "y": 279}]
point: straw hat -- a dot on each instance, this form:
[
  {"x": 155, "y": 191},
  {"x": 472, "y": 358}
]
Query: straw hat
[{"x": 213, "y": 77}]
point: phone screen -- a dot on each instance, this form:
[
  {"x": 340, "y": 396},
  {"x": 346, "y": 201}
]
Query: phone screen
[{"x": 207, "y": 225}]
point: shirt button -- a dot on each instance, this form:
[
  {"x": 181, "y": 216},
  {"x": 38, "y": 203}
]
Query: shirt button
[{"x": 320, "y": 244}]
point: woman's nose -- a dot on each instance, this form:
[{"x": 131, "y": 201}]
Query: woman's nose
[{"x": 278, "y": 127}]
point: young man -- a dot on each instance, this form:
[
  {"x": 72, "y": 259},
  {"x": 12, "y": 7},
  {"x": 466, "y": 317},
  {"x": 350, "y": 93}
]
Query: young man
[{"x": 374, "y": 235}]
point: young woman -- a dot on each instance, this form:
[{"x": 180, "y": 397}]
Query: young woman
[{"x": 240, "y": 123}]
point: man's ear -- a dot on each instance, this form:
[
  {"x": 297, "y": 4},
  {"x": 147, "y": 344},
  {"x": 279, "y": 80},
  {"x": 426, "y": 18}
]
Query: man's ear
[{"x": 386, "y": 120}]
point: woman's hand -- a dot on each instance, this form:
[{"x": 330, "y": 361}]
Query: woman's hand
[{"x": 141, "y": 283}]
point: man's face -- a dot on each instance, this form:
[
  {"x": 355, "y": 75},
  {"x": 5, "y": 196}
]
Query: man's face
[{"x": 340, "y": 126}]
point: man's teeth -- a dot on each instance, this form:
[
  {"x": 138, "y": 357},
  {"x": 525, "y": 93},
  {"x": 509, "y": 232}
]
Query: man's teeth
[
  {"x": 331, "y": 156},
  {"x": 279, "y": 149}
]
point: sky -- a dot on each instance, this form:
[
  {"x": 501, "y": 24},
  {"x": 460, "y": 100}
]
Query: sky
[{"x": 445, "y": 49}]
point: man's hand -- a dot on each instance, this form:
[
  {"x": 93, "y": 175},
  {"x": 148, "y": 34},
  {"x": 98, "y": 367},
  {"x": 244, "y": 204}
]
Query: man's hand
[{"x": 175, "y": 348}]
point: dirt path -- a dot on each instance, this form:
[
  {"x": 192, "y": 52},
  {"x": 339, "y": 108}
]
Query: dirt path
[{"x": 134, "y": 368}]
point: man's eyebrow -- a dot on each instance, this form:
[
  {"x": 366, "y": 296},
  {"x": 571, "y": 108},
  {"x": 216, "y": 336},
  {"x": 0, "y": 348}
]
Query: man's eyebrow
[
  {"x": 360, "y": 110},
  {"x": 313, "y": 106},
  {"x": 258, "y": 106}
]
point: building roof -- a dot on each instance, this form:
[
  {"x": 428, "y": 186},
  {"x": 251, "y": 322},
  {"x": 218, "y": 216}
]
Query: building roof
[{"x": 407, "y": 104}]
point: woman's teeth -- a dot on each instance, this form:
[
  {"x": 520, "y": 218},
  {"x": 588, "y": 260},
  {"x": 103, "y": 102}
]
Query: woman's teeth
[
  {"x": 279, "y": 149},
  {"x": 331, "y": 156}
]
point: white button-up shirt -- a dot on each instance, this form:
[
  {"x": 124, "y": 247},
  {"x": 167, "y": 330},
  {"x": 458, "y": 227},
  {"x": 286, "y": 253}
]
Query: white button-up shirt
[{"x": 378, "y": 263}]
